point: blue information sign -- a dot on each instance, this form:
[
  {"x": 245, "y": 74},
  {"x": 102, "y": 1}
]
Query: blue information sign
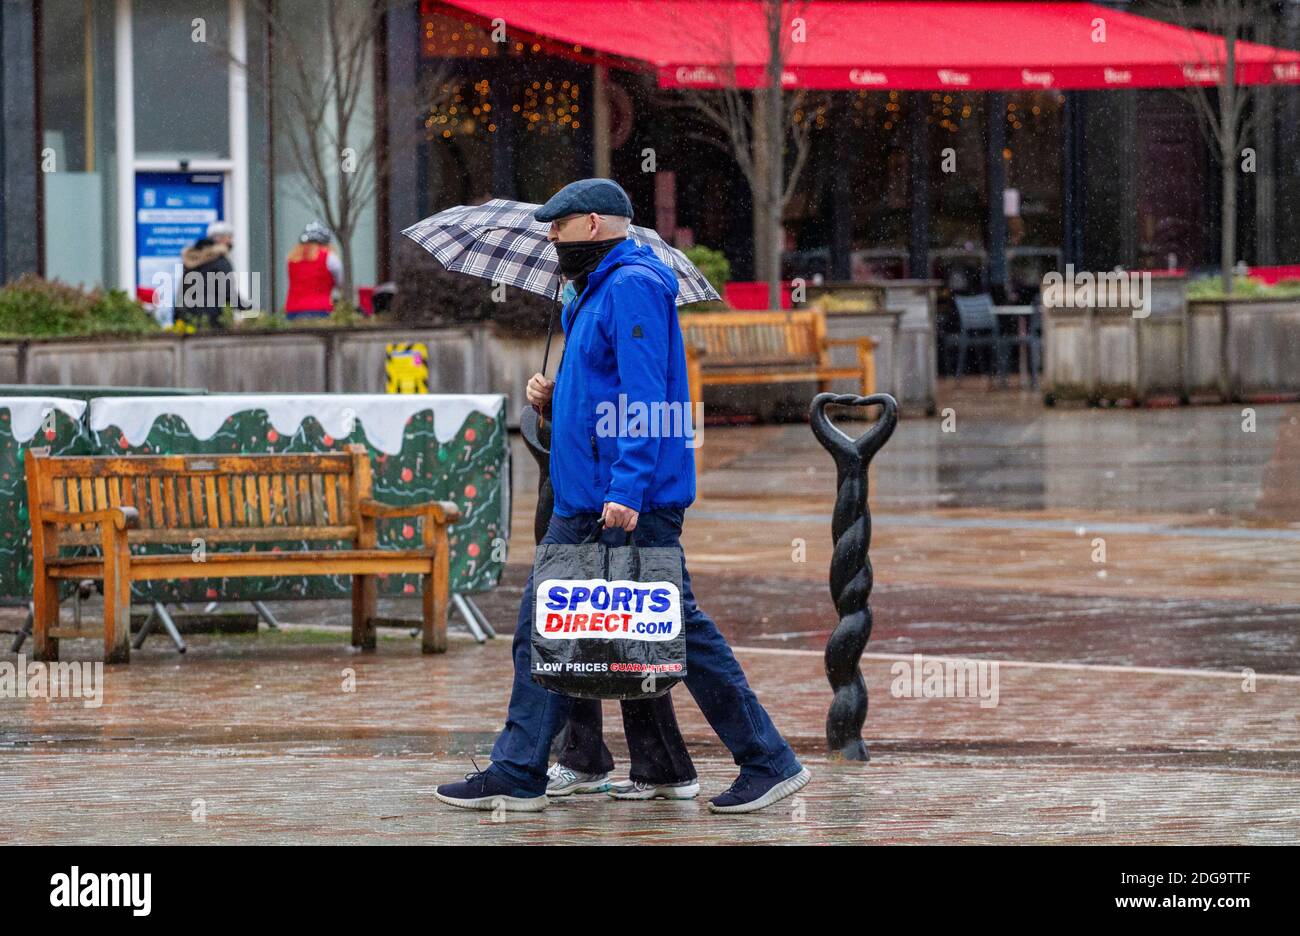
[{"x": 172, "y": 211}]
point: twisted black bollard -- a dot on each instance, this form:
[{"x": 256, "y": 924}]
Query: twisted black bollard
[
  {"x": 537, "y": 436},
  {"x": 850, "y": 568}
]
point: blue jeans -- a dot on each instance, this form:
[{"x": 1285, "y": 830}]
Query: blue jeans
[{"x": 714, "y": 676}]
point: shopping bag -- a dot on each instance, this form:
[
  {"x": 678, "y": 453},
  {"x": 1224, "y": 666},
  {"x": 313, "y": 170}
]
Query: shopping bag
[{"x": 607, "y": 621}]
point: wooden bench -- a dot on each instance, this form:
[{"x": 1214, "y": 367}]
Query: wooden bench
[
  {"x": 730, "y": 348},
  {"x": 204, "y": 501}
]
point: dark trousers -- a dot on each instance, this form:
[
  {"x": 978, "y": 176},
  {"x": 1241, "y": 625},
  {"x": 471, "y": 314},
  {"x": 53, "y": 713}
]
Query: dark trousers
[
  {"x": 654, "y": 742},
  {"x": 713, "y": 676}
]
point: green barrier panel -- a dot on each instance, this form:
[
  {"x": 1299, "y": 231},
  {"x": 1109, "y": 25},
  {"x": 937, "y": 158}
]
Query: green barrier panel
[
  {"x": 422, "y": 447},
  {"x": 29, "y": 421}
]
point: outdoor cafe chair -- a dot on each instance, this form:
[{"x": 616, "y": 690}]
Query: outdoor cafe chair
[{"x": 979, "y": 328}]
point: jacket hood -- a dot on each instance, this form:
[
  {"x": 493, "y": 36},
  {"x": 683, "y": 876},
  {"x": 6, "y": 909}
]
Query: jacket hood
[
  {"x": 631, "y": 254},
  {"x": 203, "y": 251}
]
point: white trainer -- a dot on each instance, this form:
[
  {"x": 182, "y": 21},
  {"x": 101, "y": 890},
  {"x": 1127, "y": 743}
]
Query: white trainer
[
  {"x": 561, "y": 781},
  {"x": 636, "y": 790}
]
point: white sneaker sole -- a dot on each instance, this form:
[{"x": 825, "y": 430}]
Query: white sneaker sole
[
  {"x": 779, "y": 792},
  {"x": 686, "y": 791},
  {"x": 589, "y": 786},
  {"x": 508, "y": 803}
]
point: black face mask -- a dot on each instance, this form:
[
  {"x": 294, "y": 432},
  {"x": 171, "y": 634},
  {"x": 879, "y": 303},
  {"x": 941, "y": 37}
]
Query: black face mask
[{"x": 578, "y": 258}]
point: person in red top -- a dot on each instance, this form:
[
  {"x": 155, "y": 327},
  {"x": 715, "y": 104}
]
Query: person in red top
[{"x": 314, "y": 273}]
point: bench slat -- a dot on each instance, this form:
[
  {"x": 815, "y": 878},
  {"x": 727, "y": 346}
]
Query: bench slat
[
  {"x": 273, "y": 534},
  {"x": 181, "y": 494},
  {"x": 223, "y": 500},
  {"x": 155, "y": 501},
  {"x": 265, "y": 505},
  {"x": 100, "y": 493},
  {"x": 332, "y": 500},
  {"x": 92, "y": 466},
  {"x": 211, "y": 514},
  {"x": 244, "y": 564}
]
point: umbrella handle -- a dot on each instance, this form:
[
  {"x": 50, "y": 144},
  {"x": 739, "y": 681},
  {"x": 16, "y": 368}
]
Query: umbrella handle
[
  {"x": 550, "y": 330},
  {"x": 546, "y": 356}
]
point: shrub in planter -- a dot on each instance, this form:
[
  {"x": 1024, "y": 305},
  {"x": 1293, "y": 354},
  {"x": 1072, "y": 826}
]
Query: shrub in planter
[
  {"x": 1243, "y": 287},
  {"x": 716, "y": 269},
  {"x": 31, "y": 307},
  {"x": 427, "y": 294},
  {"x": 712, "y": 263}
]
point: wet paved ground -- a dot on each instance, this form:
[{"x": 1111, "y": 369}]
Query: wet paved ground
[{"x": 1152, "y": 697}]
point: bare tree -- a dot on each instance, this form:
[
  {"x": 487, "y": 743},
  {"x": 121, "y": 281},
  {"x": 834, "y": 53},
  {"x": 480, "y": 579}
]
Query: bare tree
[
  {"x": 757, "y": 126},
  {"x": 1222, "y": 117},
  {"x": 319, "y": 84}
]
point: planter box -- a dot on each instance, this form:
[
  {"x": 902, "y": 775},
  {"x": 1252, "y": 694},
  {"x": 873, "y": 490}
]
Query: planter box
[
  {"x": 10, "y": 364},
  {"x": 462, "y": 359},
  {"x": 1261, "y": 347},
  {"x": 148, "y": 362},
  {"x": 457, "y": 359},
  {"x": 512, "y": 360},
  {"x": 272, "y": 363},
  {"x": 1228, "y": 350},
  {"x": 1204, "y": 372},
  {"x": 1095, "y": 353},
  {"x": 899, "y": 315}
]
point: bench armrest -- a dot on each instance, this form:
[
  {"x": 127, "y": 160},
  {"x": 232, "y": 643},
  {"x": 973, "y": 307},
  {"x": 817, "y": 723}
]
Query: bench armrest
[
  {"x": 123, "y": 518},
  {"x": 439, "y": 511},
  {"x": 862, "y": 342},
  {"x": 866, "y": 359}
]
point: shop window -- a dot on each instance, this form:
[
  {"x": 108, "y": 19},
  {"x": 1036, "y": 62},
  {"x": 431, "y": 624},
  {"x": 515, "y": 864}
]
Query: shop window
[
  {"x": 958, "y": 191},
  {"x": 78, "y": 159},
  {"x": 1033, "y": 167},
  {"x": 182, "y": 79},
  {"x": 879, "y": 183}
]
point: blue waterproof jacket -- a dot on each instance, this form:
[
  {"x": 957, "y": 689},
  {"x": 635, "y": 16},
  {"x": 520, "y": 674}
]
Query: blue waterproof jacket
[{"x": 621, "y": 407}]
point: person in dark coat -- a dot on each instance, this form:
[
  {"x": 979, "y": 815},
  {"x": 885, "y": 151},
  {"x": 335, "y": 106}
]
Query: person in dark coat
[{"x": 208, "y": 282}]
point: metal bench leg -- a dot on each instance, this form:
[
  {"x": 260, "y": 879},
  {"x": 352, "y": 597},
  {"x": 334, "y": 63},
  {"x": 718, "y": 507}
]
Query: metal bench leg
[
  {"x": 483, "y": 622},
  {"x": 159, "y": 613},
  {"x": 24, "y": 632},
  {"x": 170, "y": 626},
  {"x": 471, "y": 619},
  {"x": 145, "y": 629},
  {"x": 265, "y": 612}
]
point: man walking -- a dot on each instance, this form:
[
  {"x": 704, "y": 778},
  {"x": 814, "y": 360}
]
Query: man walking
[{"x": 622, "y": 340}]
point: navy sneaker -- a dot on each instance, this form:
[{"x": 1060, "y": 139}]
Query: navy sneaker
[
  {"x": 750, "y": 793},
  {"x": 485, "y": 790}
]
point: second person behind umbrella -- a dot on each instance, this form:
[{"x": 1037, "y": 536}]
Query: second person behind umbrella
[{"x": 315, "y": 272}]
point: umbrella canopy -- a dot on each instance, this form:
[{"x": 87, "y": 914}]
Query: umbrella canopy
[{"x": 500, "y": 241}]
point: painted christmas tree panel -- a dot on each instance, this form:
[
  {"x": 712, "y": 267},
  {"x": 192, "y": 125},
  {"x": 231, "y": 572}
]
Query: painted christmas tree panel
[{"x": 62, "y": 435}]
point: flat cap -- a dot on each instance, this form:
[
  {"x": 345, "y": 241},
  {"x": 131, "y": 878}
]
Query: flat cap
[{"x": 601, "y": 196}]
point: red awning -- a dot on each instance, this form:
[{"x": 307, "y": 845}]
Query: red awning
[{"x": 893, "y": 45}]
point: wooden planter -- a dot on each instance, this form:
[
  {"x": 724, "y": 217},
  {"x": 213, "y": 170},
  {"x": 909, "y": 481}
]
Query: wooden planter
[{"x": 1220, "y": 350}]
